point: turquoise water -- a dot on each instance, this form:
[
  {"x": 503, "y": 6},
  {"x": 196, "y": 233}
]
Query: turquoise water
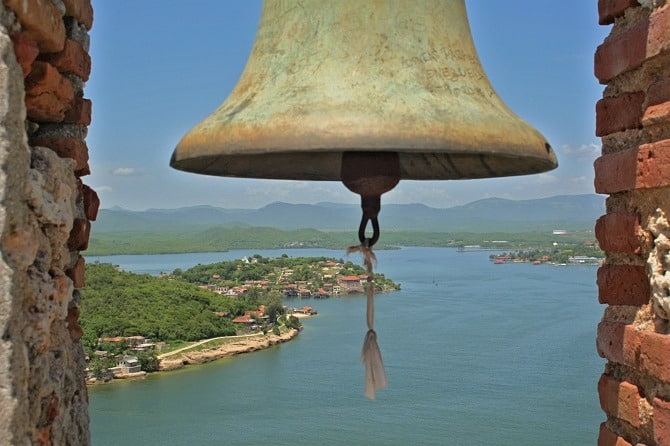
[{"x": 475, "y": 354}]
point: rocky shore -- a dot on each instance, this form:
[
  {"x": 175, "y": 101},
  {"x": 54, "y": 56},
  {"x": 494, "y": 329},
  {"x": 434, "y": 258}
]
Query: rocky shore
[{"x": 180, "y": 360}]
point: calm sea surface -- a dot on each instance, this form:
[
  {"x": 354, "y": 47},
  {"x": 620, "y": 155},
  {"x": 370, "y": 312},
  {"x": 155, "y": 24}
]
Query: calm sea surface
[{"x": 475, "y": 354}]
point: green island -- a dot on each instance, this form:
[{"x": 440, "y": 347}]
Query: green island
[
  {"x": 587, "y": 253},
  {"x": 137, "y": 323}
]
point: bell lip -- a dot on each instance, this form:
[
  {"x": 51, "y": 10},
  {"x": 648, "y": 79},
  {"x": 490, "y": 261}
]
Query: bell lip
[{"x": 424, "y": 166}]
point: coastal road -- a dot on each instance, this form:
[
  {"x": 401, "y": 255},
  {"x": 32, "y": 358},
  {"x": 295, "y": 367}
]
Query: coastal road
[{"x": 179, "y": 350}]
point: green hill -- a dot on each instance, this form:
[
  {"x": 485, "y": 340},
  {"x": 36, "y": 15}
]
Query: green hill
[
  {"x": 283, "y": 226},
  {"x": 492, "y": 214},
  {"x": 119, "y": 303}
]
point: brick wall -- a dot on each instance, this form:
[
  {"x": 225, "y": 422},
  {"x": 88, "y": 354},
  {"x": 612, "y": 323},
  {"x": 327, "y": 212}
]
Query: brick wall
[
  {"x": 45, "y": 213},
  {"x": 633, "y": 120}
]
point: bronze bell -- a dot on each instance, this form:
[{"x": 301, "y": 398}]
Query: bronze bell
[{"x": 368, "y": 92}]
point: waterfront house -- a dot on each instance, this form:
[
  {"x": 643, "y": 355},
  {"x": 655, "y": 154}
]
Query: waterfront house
[
  {"x": 350, "y": 284},
  {"x": 244, "y": 319},
  {"x": 129, "y": 364},
  {"x": 291, "y": 290}
]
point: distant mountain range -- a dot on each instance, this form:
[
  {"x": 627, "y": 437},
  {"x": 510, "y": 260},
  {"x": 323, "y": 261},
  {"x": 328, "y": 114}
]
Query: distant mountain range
[{"x": 488, "y": 215}]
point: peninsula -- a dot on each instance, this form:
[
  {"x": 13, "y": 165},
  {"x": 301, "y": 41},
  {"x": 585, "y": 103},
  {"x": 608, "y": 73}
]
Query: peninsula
[{"x": 134, "y": 323}]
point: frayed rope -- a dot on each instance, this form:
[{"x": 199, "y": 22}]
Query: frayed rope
[{"x": 371, "y": 356}]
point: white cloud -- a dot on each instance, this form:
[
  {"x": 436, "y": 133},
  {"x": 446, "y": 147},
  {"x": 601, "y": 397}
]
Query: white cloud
[
  {"x": 590, "y": 151},
  {"x": 124, "y": 171},
  {"x": 100, "y": 189},
  {"x": 545, "y": 178}
]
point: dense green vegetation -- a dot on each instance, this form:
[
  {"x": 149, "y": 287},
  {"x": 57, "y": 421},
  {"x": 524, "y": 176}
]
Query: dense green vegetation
[
  {"x": 119, "y": 303},
  {"x": 223, "y": 239},
  {"x": 558, "y": 254},
  {"x": 213, "y": 239},
  {"x": 174, "y": 307}
]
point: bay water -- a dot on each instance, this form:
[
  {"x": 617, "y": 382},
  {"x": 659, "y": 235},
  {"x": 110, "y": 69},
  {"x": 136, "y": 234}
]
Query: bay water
[{"x": 476, "y": 353}]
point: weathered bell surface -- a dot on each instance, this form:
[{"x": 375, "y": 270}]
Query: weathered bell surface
[{"x": 327, "y": 77}]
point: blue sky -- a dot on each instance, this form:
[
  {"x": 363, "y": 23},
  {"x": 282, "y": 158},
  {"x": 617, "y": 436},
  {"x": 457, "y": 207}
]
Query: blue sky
[{"x": 160, "y": 66}]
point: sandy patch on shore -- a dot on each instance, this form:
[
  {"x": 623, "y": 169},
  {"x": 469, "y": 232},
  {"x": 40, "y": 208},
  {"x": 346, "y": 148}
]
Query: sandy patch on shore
[{"x": 234, "y": 348}]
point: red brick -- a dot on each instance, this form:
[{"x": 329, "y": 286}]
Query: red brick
[
  {"x": 615, "y": 172},
  {"x": 618, "y": 342},
  {"x": 657, "y": 115},
  {"x": 91, "y": 203},
  {"x": 618, "y": 113},
  {"x": 622, "y": 52},
  {"x": 620, "y": 399},
  {"x": 73, "y": 60},
  {"x": 642, "y": 168},
  {"x": 658, "y": 40},
  {"x": 655, "y": 355},
  {"x": 617, "y": 232},
  {"x": 654, "y": 165},
  {"x": 659, "y": 92},
  {"x": 80, "y": 10},
  {"x": 608, "y": 10},
  {"x": 623, "y": 285},
  {"x": 78, "y": 273},
  {"x": 79, "y": 113},
  {"x": 81, "y": 231},
  {"x": 26, "y": 51},
  {"x": 661, "y": 421},
  {"x": 42, "y": 21},
  {"x": 48, "y": 94},
  {"x": 68, "y": 148},
  {"x": 609, "y": 438},
  {"x": 629, "y": 49}
]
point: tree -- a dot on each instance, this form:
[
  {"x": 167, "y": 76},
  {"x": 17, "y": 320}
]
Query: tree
[
  {"x": 273, "y": 310},
  {"x": 293, "y": 322},
  {"x": 99, "y": 365},
  {"x": 149, "y": 361}
]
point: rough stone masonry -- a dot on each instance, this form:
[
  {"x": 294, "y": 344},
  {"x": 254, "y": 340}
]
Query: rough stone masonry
[{"x": 45, "y": 213}]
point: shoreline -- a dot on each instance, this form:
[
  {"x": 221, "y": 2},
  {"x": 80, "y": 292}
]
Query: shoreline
[
  {"x": 235, "y": 348},
  {"x": 180, "y": 360}
]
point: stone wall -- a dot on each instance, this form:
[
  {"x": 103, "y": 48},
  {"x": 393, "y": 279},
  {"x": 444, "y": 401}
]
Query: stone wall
[
  {"x": 44, "y": 219},
  {"x": 633, "y": 120}
]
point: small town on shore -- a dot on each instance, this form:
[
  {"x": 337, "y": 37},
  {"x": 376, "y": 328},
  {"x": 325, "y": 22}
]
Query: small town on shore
[
  {"x": 555, "y": 253},
  {"x": 268, "y": 283},
  {"x": 240, "y": 282}
]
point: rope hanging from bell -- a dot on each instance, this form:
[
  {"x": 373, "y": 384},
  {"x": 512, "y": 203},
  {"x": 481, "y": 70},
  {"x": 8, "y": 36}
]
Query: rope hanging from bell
[
  {"x": 371, "y": 357},
  {"x": 370, "y": 174}
]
